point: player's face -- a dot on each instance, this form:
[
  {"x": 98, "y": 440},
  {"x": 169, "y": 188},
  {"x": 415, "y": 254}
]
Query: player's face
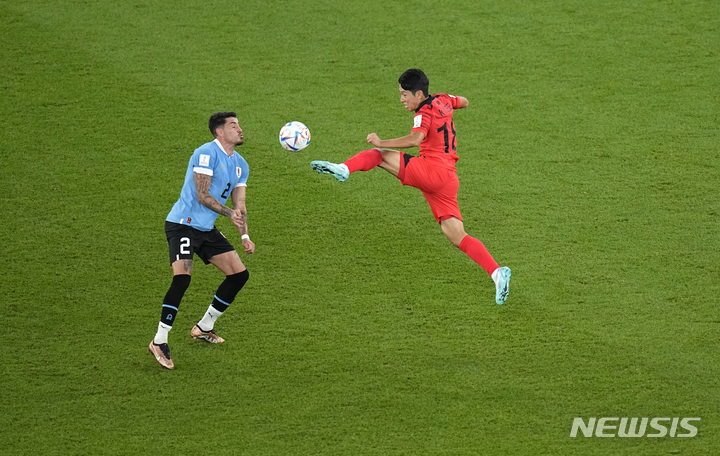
[
  {"x": 232, "y": 132},
  {"x": 411, "y": 101}
]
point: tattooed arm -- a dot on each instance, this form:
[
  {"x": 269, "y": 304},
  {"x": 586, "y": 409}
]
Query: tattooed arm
[{"x": 202, "y": 185}]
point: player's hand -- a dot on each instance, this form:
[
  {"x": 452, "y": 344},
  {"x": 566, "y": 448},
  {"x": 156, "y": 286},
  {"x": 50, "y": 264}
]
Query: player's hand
[
  {"x": 249, "y": 246},
  {"x": 374, "y": 139},
  {"x": 237, "y": 218}
]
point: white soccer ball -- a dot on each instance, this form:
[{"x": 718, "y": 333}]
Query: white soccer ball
[{"x": 294, "y": 136}]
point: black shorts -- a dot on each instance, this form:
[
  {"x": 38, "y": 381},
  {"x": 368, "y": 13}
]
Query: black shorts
[{"x": 184, "y": 241}]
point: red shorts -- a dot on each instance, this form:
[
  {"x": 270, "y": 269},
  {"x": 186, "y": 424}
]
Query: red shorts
[{"x": 438, "y": 184}]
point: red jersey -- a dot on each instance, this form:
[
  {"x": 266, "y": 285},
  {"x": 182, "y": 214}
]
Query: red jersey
[{"x": 434, "y": 117}]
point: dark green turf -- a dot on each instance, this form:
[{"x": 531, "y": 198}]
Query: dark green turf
[{"x": 589, "y": 165}]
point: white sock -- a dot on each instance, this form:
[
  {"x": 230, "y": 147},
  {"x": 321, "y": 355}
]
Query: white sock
[
  {"x": 494, "y": 275},
  {"x": 208, "y": 320},
  {"x": 162, "y": 333}
]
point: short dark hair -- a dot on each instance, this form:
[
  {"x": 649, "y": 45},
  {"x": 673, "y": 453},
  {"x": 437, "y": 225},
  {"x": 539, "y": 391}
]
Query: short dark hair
[
  {"x": 218, "y": 120},
  {"x": 414, "y": 80}
]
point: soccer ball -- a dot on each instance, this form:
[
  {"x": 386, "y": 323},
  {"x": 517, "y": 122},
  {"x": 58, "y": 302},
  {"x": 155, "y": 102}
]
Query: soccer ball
[{"x": 294, "y": 136}]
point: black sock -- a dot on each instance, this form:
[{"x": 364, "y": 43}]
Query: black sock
[
  {"x": 171, "y": 303},
  {"x": 228, "y": 289}
]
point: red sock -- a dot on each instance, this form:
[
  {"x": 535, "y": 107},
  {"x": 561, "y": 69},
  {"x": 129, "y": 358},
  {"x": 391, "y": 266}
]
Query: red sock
[
  {"x": 364, "y": 161},
  {"x": 478, "y": 253}
]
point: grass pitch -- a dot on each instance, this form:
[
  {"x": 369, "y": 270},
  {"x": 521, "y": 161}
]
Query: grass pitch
[{"x": 589, "y": 165}]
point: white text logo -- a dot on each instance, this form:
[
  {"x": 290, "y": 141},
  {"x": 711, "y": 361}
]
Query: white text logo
[{"x": 628, "y": 427}]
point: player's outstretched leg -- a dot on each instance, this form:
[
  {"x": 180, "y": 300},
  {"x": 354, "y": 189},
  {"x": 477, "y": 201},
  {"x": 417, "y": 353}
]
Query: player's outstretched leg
[
  {"x": 501, "y": 276},
  {"x": 340, "y": 171},
  {"x": 362, "y": 161}
]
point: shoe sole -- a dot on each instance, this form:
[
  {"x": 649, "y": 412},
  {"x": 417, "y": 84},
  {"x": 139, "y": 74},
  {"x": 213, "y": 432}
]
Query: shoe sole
[
  {"x": 208, "y": 339},
  {"x": 323, "y": 168},
  {"x": 503, "y": 294}
]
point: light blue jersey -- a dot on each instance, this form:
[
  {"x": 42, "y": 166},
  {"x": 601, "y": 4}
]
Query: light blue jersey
[{"x": 227, "y": 173}]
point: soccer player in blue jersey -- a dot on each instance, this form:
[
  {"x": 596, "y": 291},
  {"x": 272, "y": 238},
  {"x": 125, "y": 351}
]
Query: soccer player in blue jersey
[{"x": 215, "y": 173}]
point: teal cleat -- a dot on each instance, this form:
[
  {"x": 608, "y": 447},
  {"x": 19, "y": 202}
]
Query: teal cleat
[
  {"x": 502, "y": 284},
  {"x": 340, "y": 171}
]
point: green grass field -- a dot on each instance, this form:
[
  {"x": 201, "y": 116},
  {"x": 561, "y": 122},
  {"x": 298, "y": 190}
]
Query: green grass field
[{"x": 590, "y": 164}]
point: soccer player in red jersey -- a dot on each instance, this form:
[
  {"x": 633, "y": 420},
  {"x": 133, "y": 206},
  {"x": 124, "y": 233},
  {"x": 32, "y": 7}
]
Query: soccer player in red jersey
[{"x": 432, "y": 172}]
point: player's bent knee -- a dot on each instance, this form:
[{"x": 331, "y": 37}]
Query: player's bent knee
[
  {"x": 456, "y": 240},
  {"x": 181, "y": 282},
  {"x": 455, "y": 236},
  {"x": 454, "y": 230},
  {"x": 240, "y": 278},
  {"x": 235, "y": 282}
]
